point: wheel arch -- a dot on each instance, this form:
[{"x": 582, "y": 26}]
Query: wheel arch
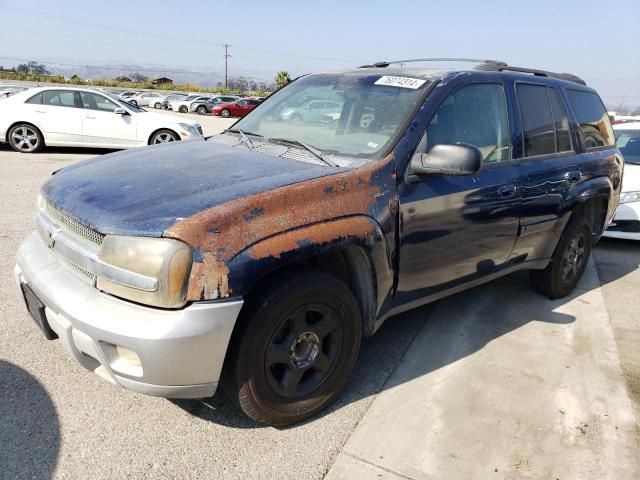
[
  {"x": 158, "y": 130},
  {"x": 593, "y": 200},
  {"x": 33, "y": 124},
  {"x": 352, "y": 248}
]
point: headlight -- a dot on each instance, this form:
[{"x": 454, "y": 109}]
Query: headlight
[
  {"x": 628, "y": 197},
  {"x": 192, "y": 129},
  {"x": 152, "y": 271}
]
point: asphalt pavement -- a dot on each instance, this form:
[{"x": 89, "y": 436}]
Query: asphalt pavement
[{"x": 58, "y": 420}]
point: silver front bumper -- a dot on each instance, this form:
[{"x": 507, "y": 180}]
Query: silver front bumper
[{"x": 180, "y": 352}]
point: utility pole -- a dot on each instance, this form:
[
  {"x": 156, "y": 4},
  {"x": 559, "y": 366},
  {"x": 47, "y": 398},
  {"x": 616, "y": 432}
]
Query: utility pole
[{"x": 226, "y": 56}]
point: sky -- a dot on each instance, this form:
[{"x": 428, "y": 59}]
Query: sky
[{"x": 596, "y": 40}]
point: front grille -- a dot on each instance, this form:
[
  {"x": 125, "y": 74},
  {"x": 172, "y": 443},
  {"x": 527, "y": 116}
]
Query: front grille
[
  {"x": 75, "y": 227},
  {"x": 86, "y": 275}
]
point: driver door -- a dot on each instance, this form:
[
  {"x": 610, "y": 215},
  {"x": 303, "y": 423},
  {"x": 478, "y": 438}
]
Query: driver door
[{"x": 455, "y": 229}]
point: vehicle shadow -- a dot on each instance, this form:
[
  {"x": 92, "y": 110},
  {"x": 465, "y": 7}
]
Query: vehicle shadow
[
  {"x": 64, "y": 150},
  {"x": 29, "y": 427},
  {"x": 473, "y": 319}
]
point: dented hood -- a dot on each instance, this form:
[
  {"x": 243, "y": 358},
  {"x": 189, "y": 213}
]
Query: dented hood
[{"x": 145, "y": 191}]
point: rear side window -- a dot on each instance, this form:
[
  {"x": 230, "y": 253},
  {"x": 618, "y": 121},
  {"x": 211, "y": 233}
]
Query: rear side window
[
  {"x": 561, "y": 123},
  {"x": 537, "y": 120},
  {"x": 594, "y": 121},
  {"x": 36, "y": 99},
  {"x": 58, "y": 98}
]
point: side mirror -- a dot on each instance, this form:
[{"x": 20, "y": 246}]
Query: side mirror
[
  {"x": 120, "y": 111},
  {"x": 444, "y": 159}
]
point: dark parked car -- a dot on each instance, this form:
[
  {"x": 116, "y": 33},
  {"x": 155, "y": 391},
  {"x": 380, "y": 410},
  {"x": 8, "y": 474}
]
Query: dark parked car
[
  {"x": 257, "y": 260},
  {"x": 239, "y": 108},
  {"x": 205, "y": 107}
]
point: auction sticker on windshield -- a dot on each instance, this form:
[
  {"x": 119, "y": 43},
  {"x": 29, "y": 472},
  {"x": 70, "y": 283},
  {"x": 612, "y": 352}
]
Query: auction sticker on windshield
[{"x": 404, "y": 82}]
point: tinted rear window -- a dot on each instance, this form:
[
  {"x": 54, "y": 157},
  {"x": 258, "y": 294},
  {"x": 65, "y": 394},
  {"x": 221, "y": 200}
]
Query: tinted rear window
[
  {"x": 594, "y": 121},
  {"x": 537, "y": 120}
]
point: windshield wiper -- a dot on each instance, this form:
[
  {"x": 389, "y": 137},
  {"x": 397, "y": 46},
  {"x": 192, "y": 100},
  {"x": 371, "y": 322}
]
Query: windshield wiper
[
  {"x": 244, "y": 138},
  {"x": 316, "y": 152}
]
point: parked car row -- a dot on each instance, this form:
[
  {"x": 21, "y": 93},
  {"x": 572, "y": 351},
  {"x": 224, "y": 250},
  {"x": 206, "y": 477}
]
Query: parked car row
[{"x": 69, "y": 116}]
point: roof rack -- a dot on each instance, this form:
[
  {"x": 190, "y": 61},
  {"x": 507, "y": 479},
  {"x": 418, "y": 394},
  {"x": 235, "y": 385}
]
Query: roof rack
[
  {"x": 487, "y": 66},
  {"x": 444, "y": 59},
  {"x": 539, "y": 73}
]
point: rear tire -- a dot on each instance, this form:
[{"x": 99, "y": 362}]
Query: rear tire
[
  {"x": 157, "y": 106},
  {"x": 182, "y": 109},
  {"x": 133, "y": 102},
  {"x": 568, "y": 262},
  {"x": 202, "y": 110},
  {"x": 294, "y": 348},
  {"x": 25, "y": 138}
]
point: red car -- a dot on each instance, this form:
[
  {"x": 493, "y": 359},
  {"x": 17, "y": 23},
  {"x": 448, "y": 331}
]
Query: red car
[{"x": 239, "y": 108}]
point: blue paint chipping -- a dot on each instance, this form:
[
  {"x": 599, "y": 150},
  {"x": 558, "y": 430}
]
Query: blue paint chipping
[
  {"x": 254, "y": 212},
  {"x": 197, "y": 256}
]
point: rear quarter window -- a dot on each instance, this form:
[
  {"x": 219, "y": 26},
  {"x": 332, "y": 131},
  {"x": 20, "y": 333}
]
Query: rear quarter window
[{"x": 593, "y": 118}]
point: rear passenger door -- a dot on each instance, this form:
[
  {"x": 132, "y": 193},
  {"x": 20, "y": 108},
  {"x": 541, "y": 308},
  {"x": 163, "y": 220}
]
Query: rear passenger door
[
  {"x": 456, "y": 229},
  {"x": 549, "y": 166},
  {"x": 59, "y": 115}
]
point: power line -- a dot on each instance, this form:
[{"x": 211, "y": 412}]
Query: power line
[{"x": 83, "y": 23}]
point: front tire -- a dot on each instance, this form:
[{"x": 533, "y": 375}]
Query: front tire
[
  {"x": 163, "y": 136},
  {"x": 294, "y": 350},
  {"x": 568, "y": 262},
  {"x": 157, "y": 106},
  {"x": 182, "y": 109},
  {"x": 25, "y": 138},
  {"x": 225, "y": 113},
  {"x": 133, "y": 102}
]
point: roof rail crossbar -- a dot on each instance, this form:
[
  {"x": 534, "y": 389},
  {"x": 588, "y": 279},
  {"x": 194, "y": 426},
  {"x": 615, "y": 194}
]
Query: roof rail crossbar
[
  {"x": 444, "y": 59},
  {"x": 539, "y": 73}
]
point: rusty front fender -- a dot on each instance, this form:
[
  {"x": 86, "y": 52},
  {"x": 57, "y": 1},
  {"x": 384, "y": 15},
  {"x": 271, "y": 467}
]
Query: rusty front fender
[{"x": 372, "y": 271}]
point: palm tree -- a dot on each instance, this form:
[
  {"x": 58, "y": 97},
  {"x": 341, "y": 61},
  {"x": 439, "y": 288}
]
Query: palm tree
[{"x": 282, "y": 78}]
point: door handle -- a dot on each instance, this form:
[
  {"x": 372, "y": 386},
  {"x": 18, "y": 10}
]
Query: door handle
[
  {"x": 40, "y": 111},
  {"x": 87, "y": 116},
  {"x": 507, "y": 191}
]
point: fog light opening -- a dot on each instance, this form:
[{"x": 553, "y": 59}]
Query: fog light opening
[{"x": 123, "y": 359}]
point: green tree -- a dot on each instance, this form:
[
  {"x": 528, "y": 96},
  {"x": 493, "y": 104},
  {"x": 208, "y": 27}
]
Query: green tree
[
  {"x": 282, "y": 78},
  {"x": 33, "y": 68},
  {"x": 138, "y": 78}
]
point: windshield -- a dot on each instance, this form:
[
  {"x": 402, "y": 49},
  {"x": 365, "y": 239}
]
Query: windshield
[
  {"x": 628, "y": 141},
  {"x": 351, "y": 114},
  {"x": 192, "y": 97}
]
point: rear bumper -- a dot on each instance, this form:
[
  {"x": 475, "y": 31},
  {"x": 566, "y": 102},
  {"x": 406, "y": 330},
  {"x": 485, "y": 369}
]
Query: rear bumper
[
  {"x": 180, "y": 352},
  {"x": 625, "y": 223}
]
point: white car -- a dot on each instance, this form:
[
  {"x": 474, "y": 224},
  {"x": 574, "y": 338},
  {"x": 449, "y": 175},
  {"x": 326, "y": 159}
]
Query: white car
[
  {"x": 70, "y": 117},
  {"x": 8, "y": 90},
  {"x": 626, "y": 222},
  {"x": 148, "y": 99},
  {"x": 184, "y": 106}
]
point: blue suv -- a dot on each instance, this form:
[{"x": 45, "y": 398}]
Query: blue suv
[{"x": 259, "y": 258}]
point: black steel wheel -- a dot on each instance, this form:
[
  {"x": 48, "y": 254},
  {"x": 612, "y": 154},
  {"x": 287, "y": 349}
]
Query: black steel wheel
[
  {"x": 294, "y": 348},
  {"x": 568, "y": 262}
]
